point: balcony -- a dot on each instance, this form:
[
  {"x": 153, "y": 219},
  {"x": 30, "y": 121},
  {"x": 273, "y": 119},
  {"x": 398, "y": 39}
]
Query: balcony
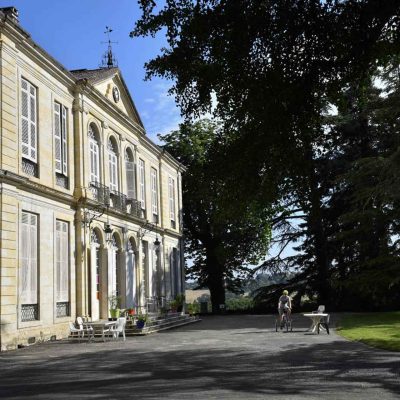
[
  {"x": 118, "y": 201},
  {"x": 134, "y": 208},
  {"x": 100, "y": 193}
]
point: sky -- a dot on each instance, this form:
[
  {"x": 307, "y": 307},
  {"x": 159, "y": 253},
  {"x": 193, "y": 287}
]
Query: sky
[{"x": 72, "y": 32}]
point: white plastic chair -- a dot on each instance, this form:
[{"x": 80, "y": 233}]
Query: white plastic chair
[
  {"x": 74, "y": 332},
  {"x": 320, "y": 310},
  {"x": 85, "y": 328},
  {"x": 119, "y": 328}
]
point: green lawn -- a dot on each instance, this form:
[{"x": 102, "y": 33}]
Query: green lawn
[{"x": 375, "y": 329}]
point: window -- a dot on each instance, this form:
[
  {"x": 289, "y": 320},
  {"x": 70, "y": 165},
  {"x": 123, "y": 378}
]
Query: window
[
  {"x": 142, "y": 192},
  {"x": 154, "y": 193},
  {"x": 29, "y": 267},
  {"x": 60, "y": 138},
  {"x": 113, "y": 166},
  {"x": 130, "y": 175},
  {"x": 94, "y": 156},
  {"x": 29, "y": 127},
  {"x": 62, "y": 269},
  {"x": 171, "y": 197}
]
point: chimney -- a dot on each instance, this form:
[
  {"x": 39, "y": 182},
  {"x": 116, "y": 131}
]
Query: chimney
[{"x": 11, "y": 13}]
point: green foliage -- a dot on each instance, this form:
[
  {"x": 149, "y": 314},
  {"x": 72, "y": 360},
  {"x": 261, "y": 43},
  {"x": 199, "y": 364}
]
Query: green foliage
[
  {"x": 142, "y": 318},
  {"x": 375, "y": 329},
  {"x": 331, "y": 182},
  {"x": 114, "y": 301},
  {"x": 241, "y": 304},
  {"x": 220, "y": 240}
]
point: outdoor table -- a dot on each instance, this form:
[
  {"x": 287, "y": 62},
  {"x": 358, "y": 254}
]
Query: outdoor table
[
  {"x": 316, "y": 318},
  {"x": 99, "y": 326}
]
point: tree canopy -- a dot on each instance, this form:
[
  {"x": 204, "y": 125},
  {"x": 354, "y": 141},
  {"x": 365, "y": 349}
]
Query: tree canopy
[{"x": 276, "y": 68}]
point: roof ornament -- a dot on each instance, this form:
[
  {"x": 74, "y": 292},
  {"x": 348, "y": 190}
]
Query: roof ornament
[{"x": 108, "y": 60}]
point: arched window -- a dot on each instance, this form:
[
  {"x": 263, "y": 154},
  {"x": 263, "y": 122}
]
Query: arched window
[
  {"x": 130, "y": 175},
  {"x": 113, "y": 165},
  {"x": 94, "y": 154}
]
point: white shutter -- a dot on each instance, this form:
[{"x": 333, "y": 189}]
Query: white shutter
[
  {"x": 112, "y": 158},
  {"x": 130, "y": 179},
  {"x": 57, "y": 137},
  {"x": 94, "y": 161},
  {"x": 28, "y": 285},
  {"x": 154, "y": 194},
  {"x": 62, "y": 270},
  {"x": 171, "y": 195},
  {"x": 142, "y": 184},
  {"x": 64, "y": 141},
  {"x": 28, "y": 121}
]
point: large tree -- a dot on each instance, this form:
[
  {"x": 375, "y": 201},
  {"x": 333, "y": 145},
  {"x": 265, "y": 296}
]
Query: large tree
[
  {"x": 220, "y": 241},
  {"x": 274, "y": 67}
]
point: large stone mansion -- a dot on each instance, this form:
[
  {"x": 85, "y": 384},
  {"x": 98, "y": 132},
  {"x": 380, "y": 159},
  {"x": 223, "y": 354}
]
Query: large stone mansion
[{"x": 90, "y": 207}]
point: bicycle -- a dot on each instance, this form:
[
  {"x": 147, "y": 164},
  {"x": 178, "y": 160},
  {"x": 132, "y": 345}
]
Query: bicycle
[{"x": 285, "y": 324}]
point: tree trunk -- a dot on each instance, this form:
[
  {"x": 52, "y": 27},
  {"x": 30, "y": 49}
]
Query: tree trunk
[{"x": 216, "y": 283}]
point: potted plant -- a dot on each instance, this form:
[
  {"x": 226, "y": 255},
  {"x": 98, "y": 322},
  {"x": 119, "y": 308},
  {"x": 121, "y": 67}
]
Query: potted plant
[
  {"x": 130, "y": 311},
  {"x": 173, "y": 306},
  {"x": 180, "y": 299},
  {"x": 141, "y": 321},
  {"x": 114, "y": 302}
]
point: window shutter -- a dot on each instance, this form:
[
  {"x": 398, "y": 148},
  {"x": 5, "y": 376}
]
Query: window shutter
[
  {"x": 130, "y": 179},
  {"x": 64, "y": 141},
  {"x": 28, "y": 121},
  {"x": 94, "y": 160},
  {"x": 33, "y": 267},
  {"x": 32, "y": 112},
  {"x": 62, "y": 270},
  {"x": 154, "y": 194},
  {"x": 171, "y": 190},
  {"x": 57, "y": 137},
  {"x": 142, "y": 184},
  {"x": 28, "y": 259},
  {"x": 25, "y": 259},
  {"x": 25, "y": 119}
]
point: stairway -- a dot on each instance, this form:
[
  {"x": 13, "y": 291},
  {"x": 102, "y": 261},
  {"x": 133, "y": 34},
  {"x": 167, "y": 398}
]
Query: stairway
[{"x": 157, "y": 323}]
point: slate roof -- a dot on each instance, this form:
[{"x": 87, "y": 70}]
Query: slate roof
[{"x": 94, "y": 75}]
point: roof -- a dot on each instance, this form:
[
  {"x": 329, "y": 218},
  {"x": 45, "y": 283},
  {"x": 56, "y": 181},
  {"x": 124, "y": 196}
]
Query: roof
[{"x": 94, "y": 75}]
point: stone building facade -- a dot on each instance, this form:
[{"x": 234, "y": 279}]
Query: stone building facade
[{"x": 90, "y": 208}]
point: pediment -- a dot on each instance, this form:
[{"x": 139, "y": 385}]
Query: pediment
[{"x": 109, "y": 83}]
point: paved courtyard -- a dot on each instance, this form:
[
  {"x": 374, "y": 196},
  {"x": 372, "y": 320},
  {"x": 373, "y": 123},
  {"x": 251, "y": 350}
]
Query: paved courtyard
[{"x": 228, "y": 357}]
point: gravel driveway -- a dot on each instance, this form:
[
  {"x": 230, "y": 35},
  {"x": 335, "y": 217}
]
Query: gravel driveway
[{"x": 227, "y": 357}]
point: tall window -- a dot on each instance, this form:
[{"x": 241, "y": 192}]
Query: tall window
[
  {"x": 154, "y": 193},
  {"x": 60, "y": 138},
  {"x": 29, "y": 267},
  {"x": 29, "y": 127},
  {"x": 94, "y": 156},
  {"x": 113, "y": 165},
  {"x": 62, "y": 269},
  {"x": 142, "y": 189},
  {"x": 171, "y": 197},
  {"x": 130, "y": 175}
]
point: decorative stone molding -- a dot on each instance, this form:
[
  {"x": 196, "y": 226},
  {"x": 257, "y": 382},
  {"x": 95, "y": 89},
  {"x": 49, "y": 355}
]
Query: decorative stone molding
[{"x": 104, "y": 125}]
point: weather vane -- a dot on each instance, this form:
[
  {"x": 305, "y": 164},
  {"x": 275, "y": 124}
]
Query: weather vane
[{"x": 108, "y": 60}]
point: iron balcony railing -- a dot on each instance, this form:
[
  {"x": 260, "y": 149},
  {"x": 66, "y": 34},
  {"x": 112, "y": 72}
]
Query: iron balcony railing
[
  {"x": 118, "y": 201},
  {"x": 135, "y": 208},
  {"x": 101, "y": 193}
]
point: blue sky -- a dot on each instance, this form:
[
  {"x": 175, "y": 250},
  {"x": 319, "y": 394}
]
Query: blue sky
[{"x": 72, "y": 31}]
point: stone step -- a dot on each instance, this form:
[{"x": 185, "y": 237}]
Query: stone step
[{"x": 161, "y": 324}]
